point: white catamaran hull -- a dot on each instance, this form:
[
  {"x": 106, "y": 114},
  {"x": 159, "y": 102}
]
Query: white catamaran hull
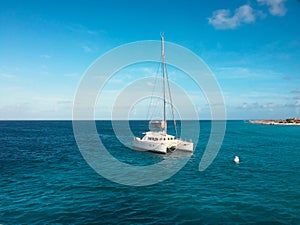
[
  {"x": 185, "y": 146},
  {"x": 162, "y": 147},
  {"x": 141, "y": 145}
]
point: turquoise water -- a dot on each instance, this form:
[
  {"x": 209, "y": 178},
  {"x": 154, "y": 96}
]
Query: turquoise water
[{"x": 44, "y": 179}]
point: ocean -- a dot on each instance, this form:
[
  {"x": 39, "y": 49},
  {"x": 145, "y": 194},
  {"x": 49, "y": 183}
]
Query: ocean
[{"x": 44, "y": 179}]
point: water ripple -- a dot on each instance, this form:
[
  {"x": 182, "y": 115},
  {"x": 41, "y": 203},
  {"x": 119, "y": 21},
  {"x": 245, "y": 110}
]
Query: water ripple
[{"x": 44, "y": 179}]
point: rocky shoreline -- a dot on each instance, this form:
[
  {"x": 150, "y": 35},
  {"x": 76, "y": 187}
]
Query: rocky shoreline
[{"x": 291, "y": 121}]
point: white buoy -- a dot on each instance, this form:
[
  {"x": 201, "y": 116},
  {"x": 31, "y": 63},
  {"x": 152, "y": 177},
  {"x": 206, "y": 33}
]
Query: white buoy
[{"x": 236, "y": 160}]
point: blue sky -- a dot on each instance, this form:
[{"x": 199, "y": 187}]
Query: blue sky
[{"x": 251, "y": 46}]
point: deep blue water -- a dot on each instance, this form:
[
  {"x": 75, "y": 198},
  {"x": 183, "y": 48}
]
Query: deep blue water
[{"x": 44, "y": 178}]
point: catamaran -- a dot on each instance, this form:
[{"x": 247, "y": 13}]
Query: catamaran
[{"x": 156, "y": 139}]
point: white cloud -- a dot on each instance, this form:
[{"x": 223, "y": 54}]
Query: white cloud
[
  {"x": 222, "y": 19},
  {"x": 150, "y": 84},
  {"x": 45, "y": 56},
  {"x": 276, "y": 7},
  {"x": 245, "y": 73},
  {"x": 71, "y": 75},
  {"x": 7, "y": 76},
  {"x": 266, "y": 106},
  {"x": 87, "y": 49},
  {"x": 78, "y": 28},
  {"x": 296, "y": 91},
  {"x": 39, "y": 109}
]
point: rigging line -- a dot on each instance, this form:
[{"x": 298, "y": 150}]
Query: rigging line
[
  {"x": 152, "y": 94},
  {"x": 158, "y": 107},
  {"x": 171, "y": 101}
]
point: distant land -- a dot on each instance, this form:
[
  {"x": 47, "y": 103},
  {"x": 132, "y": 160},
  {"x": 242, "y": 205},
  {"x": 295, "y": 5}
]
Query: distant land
[{"x": 291, "y": 121}]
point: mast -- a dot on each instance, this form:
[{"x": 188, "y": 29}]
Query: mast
[{"x": 164, "y": 80}]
